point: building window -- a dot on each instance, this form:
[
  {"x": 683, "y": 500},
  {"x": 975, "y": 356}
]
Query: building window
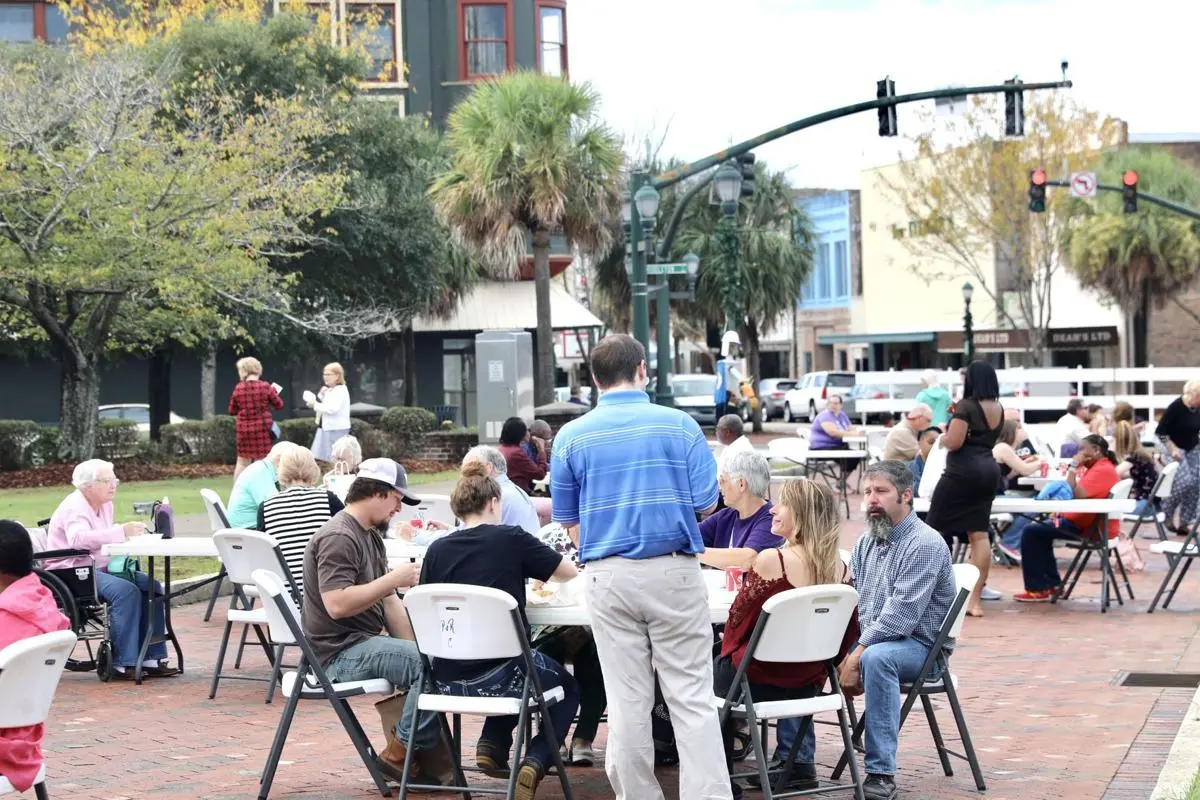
[
  {"x": 829, "y": 283},
  {"x": 27, "y": 22},
  {"x": 552, "y": 39},
  {"x": 487, "y": 49},
  {"x": 56, "y": 25},
  {"x": 16, "y": 22},
  {"x": 373, "y": 25}
]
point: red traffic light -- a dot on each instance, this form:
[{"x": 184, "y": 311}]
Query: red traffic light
[
  {"x": 1130, "y": 178},
  {"x": 1038, "y": 177}
]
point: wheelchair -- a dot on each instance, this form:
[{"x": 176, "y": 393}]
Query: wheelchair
[{"x": 78, "y": 598}]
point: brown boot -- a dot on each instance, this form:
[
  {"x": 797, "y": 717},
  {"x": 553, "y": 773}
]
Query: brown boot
[
  {"x": 437, "y": 763},
  {"x": 391, "y": 761}
]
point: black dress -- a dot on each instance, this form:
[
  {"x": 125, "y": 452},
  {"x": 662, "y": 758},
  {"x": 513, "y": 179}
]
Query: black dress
[{"x": 962, "y": 500}]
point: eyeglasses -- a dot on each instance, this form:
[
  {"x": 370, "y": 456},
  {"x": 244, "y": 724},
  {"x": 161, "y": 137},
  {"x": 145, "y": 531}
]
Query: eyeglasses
[{"x": 113, "y": 482}]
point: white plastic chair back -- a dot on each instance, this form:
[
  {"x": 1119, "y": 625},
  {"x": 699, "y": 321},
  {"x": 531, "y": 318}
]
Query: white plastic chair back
[
  {"x": 242, "y": 552},
  {"x": 432, "y": 507},
  {"x": 218, "y": 520},
  {"x": 459, "y": 622},
  {"x": 1122, "y": 489},
  {"x": 1166, "y": 480},
  {"x": 788, "y": 449},
  {"x": 29, "y": 673},
  {"x": 271, "y": 587},
  {"x": 875, "y": 453},
  {"x": 965, "y": 578},
  {"x": 845, "y": 555},
  {"x": 39, "y": 537},
  {"x": 806, "y": 624}
]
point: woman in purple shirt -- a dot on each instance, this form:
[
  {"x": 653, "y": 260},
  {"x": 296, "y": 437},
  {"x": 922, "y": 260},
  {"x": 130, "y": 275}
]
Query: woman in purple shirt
[
  {"x": 830, "y": 427},
  {"x": 735, "y": 535}
]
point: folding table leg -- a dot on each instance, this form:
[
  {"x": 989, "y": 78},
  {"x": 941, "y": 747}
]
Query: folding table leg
[{"x": 212, "y": 600}]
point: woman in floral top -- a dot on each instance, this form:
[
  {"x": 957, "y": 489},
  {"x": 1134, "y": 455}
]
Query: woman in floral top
[{"x": 1134, "y": 462}]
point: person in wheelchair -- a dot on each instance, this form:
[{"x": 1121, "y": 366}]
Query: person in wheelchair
[
  {"x": 84, "y": 521},
  {"x": 27, "y": 608}
]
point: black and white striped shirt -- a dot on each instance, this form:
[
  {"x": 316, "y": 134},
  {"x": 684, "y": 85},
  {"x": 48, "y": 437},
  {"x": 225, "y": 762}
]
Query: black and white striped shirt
[{"x": 292, "y": 517}]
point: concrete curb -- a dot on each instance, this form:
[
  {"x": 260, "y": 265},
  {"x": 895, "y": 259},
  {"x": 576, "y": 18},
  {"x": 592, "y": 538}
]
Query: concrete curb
[{"x": 1177, "y": 774}]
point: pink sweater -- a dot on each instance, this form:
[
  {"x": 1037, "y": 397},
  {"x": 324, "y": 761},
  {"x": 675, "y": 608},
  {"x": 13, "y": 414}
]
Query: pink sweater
[
  {"x": 26, "y": 609},
  {"x": 75, "y": 525}
]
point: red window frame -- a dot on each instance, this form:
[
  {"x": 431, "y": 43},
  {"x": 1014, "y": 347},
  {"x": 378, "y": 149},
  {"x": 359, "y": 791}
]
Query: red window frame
[
  {"x": 392, "y": 11},
  {"x": 560, "y": 5},
  {"x": 462, "y": 36},
  {"x": 39, "y": 16}
]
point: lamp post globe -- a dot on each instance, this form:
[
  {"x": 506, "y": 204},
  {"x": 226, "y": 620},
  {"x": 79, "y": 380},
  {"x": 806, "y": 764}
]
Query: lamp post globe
[
  {"x": 626, "y": 212},
  {"x": 647, "y": 199},
  {"x": 728, "y": 183},
  {"x": 967, "y": 291},
  {"x": 693, "y": 264}
]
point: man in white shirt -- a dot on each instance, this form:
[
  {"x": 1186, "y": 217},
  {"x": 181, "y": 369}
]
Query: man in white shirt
[
  {"x": 730, "y": 434},
  {"x": 1073, "y": 425}
]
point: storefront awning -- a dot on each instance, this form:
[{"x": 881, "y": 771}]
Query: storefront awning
[
  {"x": 876, "y": 338},
  {"x": 509, "y": 306}
]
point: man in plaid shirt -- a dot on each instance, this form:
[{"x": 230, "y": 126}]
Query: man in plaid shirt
[{"x": 905, "y": 585}]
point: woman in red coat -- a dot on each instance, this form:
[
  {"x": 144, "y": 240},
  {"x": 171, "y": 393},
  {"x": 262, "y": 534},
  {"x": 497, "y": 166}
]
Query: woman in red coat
[{"x": 252, "y": 402}]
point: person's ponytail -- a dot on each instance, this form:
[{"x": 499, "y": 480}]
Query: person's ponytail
[{"x": 1101, "y": 444}]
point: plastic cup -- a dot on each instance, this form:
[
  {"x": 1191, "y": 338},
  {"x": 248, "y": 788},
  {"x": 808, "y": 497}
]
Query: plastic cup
[
  {"x": 733, "y": 578},
  {"x": 1045, "y": 469}
]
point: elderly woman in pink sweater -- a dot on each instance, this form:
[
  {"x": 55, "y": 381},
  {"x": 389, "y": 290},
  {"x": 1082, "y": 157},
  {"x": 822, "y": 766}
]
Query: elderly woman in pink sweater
[
  {"x": 26, "y": 609},
  {"x": 84, "y": 521}
]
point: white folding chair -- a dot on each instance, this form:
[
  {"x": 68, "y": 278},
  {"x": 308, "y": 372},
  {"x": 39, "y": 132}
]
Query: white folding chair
[
  {"x": 242, "y": 552},
  {"x": 799, "y": 626},
  {"x": 1161, "y": 491},
  {"x": 218, "y": 520},
  {"x": 29, "y": 673},
  {"x": 935, "y": 677},
  {"x": 310, "y": 682},
  {"x": 1100, "y": 545},
  {"x": 1177, "y": 553},
  {"x": 458, "y": 622}
]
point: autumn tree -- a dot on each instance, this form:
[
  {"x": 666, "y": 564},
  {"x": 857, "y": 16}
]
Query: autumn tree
[
  {"x": 965, "y": 188},
  {"x": 105, "y": 201}
]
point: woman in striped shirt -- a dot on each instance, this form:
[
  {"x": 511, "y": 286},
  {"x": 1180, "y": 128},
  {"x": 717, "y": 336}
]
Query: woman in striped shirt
[{"x": 299, "y": 510}]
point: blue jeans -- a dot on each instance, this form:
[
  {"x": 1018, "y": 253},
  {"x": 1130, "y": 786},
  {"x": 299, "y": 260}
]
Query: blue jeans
[
  {"x": 398, "y": 661},
  {"x": 785, "y": 736},
  {"x": 1011, "y": 538},
  {"x": 127, "y": 615},
  {"x": 508, "y": 680},
  {"x": 884, "y": 667}
]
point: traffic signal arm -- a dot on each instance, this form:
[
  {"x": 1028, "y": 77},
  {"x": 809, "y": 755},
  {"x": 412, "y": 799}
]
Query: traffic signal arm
[{"x": 1149, "y": 198}]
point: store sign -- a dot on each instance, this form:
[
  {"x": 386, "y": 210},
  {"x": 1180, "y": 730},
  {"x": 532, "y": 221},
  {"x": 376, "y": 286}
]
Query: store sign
[
  {"x": 1079, "y": 338},
  {"x": 1000, "y": 341}
]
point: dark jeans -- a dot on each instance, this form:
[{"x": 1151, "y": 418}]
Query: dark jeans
[
  {"x": 1037, "y": 554},
  {"x": 508, "y": 680},
  {"x": 577, "y": 646},
  {"x": 724, "y": 671}
]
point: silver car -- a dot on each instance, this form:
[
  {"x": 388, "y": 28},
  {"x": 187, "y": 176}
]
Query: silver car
[
  {"x": 771, "y": 392},
  {"x": 694, "y": 394}
]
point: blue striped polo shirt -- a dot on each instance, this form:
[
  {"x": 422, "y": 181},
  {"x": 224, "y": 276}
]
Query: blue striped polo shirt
[{"x": 633, "y": 475}]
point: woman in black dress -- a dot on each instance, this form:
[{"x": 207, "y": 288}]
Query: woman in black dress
[{"x": 962, "y": 500}]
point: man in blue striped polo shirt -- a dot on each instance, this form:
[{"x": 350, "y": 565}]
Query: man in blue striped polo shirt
[{"x": 628, "y": 480}]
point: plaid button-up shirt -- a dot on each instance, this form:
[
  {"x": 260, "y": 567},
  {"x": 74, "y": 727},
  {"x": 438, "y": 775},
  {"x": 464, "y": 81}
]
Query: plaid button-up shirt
[{"x": 905, "y": 584}]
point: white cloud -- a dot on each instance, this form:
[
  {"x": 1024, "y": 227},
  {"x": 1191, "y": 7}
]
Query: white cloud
[{"x": 720, "y": 71}]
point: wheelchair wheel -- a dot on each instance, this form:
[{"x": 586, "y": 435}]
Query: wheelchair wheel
[{"x": 104, "y": 662}]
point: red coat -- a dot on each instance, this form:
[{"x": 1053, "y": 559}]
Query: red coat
[
  {"x": 523, "y": 470},
  {"x": 251, "y": 402}
]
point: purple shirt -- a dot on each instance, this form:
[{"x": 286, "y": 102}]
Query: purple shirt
[
  {"x": 819, "y": 439},
  {"x": 726, "y": 529}
]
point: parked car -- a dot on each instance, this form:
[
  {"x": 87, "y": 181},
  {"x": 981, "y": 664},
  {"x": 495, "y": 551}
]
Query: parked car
[
  {"x": 770, "y": 396},
  {"x": 810, "y": 395},
  {"x": 694, "y": 394},
  {"x": 138, "y": 412},
  {"x": 868, "y": 391}
]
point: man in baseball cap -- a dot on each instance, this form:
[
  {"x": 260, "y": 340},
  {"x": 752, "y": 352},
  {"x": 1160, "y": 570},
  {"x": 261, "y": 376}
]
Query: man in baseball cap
[{"x": 355, "y": 621}]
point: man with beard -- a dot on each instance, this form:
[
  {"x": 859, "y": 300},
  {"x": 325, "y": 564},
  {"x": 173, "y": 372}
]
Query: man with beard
[{"x": 905, "y": 586}]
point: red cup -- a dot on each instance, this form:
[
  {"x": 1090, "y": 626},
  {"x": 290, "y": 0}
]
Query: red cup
[
  {"x": 417, "y": 522},
  {"x": 733, "y": 578},
  {"x": 1045, "y": 469}
]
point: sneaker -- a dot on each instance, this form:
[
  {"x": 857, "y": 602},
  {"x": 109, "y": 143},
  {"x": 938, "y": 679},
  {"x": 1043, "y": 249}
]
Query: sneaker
[
  {"x": 490, "y": 760},
  {"x": 1042, "y": 596},
  {"x": 528, "y": 778},
  {"x": 990, "y": 594},
  {"x": 582, "y": 754},
  {"x": 1015, "y": 555},
  {"x": 804, "y": 776},
  {"x": 879, "y": 787}
]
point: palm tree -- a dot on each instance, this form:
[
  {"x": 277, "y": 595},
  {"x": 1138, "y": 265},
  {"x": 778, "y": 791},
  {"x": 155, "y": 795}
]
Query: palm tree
[
  {"x": 1139, "y": 259},
  {"x": 529, "y": 157}
]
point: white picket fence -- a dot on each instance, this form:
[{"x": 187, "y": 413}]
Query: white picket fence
[{"x": 1041, "y": 388}]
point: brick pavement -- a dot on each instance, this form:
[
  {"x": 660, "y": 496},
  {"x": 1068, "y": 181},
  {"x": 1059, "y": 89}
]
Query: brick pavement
[{"x": 1037, "y": 684}]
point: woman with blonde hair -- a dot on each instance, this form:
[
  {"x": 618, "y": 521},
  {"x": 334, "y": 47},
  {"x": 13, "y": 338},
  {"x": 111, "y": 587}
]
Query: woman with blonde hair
[
  {"x": 299, "y": 510},
  {"x": 251, "y": 403},
  {"x": 332, "y": 405},
  {"x": 806, "y": 516},
  {"x": 1133, "y": 461}
]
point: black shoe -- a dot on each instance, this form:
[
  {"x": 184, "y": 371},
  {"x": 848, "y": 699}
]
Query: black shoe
[
  {"x": 879, "y": 787},
  {"x": 491, "y": 760},
  {"x": 804, "y": 776}
]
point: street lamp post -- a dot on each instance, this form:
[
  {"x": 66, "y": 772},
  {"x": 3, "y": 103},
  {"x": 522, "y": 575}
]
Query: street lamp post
[
  {"x": 637, "y": 277},
  {"x": 728, "y": 184},
  {"x": 968, "y": 330}
]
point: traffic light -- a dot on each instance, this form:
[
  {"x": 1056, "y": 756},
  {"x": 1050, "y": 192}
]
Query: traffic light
[
  {"x": 1037, "y": 190},
  {"x": 1130, "y": 179},
  {"x": 745, "y": 163},
  {"x": 1014, "y": 109},
  {"x": 887, "y": 114}
]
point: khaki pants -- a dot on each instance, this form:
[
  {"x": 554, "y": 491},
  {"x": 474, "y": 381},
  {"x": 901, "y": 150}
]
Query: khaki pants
[{"x": 648, "y": 616}]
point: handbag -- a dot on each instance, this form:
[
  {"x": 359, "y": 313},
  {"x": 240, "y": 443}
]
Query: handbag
[{"x": 123, "y": 567}]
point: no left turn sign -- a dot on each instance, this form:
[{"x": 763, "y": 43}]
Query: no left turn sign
[{"x": 1083, "y": 184}]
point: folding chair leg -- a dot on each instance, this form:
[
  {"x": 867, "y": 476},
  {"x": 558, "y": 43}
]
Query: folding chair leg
[
  {"x": 1076, "y": 570},
  {"x": 1172, "y": 565},
  {"x": 760, "y": 754},
  {"x": 806, "y": 725},
  {"x": 212, "y": 600},
  {"x": 848, "y": 756},
  {"x": 1187, "y": 563},
  {"x": 460, "y": 777},
  {"x": 520, "y": 745},
  {"x": 936, "y": 732},
  {"x": 281, "y": 732},
  {"x": 964, "y": 734},
  {"x": 361, "y": 743},
  {"x": 276, "y": 673},
  {"x": 40, "y": 791},
  {"x": 212, "y": 690}
]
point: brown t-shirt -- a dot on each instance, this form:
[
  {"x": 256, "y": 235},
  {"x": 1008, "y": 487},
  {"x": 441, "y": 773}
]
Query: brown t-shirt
[{"x": 342, "y": 553}]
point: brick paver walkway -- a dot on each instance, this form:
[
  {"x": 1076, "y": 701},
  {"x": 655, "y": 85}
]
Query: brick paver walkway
[{"x": 1038, "y": 685}]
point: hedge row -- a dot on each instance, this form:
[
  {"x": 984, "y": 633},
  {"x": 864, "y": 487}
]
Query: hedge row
[{"x": 24, "y": 443}]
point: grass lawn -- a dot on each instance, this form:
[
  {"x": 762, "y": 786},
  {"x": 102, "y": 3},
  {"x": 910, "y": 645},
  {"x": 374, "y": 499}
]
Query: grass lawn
[{"x": 30, "y": 505}]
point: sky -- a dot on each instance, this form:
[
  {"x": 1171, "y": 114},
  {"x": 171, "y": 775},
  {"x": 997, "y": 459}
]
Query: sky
[{"x": 699, "y": 75}]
